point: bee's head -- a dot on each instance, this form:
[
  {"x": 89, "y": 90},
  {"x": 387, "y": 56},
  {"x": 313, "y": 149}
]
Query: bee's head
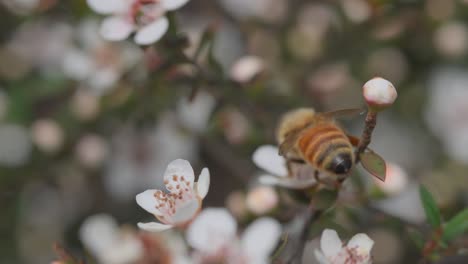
[{"x": 341, "y": 163}]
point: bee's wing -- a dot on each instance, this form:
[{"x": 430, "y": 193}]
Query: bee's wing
[
  {"x": 341, "y": 113},
  {"x": 289, "y": 142}
]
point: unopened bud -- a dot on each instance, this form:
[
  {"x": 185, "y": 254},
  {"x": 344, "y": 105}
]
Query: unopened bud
[
  {"x": 396, "y": 180},
  {"x": 379, "y": 94},
  {"x": 261, "y": 200},
  {"x": 246, "y": 69}
]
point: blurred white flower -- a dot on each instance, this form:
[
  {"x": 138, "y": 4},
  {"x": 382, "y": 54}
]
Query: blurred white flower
[
  {"x": 262, "y": 199},
  {"x": 91, "y": 150},
  {"x": 183, "y": 201},
  {"x": 96, "y": 63},
  {"x": 246, "y": 68},
  {"x": 451, "y": 39},
  {"x": 146, "y": 17},
  {"x": 196, "y": 114},
  {"x": 447, "y": 110},
  {"x": 267, "y": 158},
  {"x": 332, "y": 251},
  {"x": 47, "y": 135},
  {"x": 110, "y": 244},
  {"x": 213, "y": 235},
  {"x": 15, "y": 145}
]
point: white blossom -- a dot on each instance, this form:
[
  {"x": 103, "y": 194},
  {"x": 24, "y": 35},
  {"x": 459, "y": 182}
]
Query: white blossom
[
  {"x": 183, "y": 201},
  {"x": 213, "y": 235},
  {"x": 145, "y": 17},
  {"x": 267, "y": 158},
  {"x": 110, "y": 244},
  {"x": 332, "y": 251}
]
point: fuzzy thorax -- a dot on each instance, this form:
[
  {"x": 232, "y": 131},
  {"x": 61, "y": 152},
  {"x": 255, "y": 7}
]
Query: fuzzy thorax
[{"x": 294, "y": 121}]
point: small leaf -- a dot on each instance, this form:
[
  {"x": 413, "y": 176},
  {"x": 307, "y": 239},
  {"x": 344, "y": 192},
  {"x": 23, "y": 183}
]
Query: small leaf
[
  {"x": 430, "y": 207},
  {"x": 374, "y": 164},
  {"x": 456, "y": 226}
]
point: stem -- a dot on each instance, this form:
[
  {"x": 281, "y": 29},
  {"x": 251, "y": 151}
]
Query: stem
[
  {"x": 295, "y": 250},
  {"x": 371, "y": 122}
]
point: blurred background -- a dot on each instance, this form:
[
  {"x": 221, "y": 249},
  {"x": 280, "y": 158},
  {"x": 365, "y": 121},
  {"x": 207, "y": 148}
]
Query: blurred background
[{"x": 87, "y": 124}]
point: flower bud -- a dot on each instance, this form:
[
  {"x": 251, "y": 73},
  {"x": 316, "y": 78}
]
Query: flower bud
[
  {"x": 261, "y": 200},
  {"x": 379, "y": 94},
  {"x": 396, "y": 181}
]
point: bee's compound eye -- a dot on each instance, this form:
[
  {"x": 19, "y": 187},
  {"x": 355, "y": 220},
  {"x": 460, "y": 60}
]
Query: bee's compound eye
[{"x": 341, "y": 164}]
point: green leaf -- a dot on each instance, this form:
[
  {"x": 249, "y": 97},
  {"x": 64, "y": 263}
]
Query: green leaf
[
  {"x": 456, "y": 226},
  {"x": 374, "y": 164},
  {"x": 430, "y": 207}
]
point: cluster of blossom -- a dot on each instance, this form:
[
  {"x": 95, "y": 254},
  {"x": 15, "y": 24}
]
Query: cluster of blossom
[{"x": 211, "y": 232}]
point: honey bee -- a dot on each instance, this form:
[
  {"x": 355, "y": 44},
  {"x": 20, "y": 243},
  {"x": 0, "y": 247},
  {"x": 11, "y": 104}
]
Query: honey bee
[{"x": 315, "y": 138}]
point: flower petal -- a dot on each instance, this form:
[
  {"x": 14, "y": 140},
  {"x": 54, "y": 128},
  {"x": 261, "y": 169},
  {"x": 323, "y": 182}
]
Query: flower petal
[
  {"x": 362, "y": 243},
  {"x": 203, "y": 184},
  {"x": 186, "y": 212},
  {"x": 116, "y": 28},
  {"x": 286, "y": 182},
  {"x": 178, "y": 172},
  {"x": 154, "y": 227},
  {"x": 267, "y": 158},
  {"x": 211, "y": 230},
  {"x": 148, "y": 201},
  {"x": 330, "y": 243},
  {"x": 106, "y": 7},
  {"x": 173, "y": 4},
  {"x": 261, "y": 237},
  {"x": 152, "y": 32},
  {"x": 98, "y": 233}
]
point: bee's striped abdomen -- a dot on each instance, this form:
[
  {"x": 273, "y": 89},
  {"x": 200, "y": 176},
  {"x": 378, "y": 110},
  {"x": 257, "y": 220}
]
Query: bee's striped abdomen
[{"x": 325, "y": 146}]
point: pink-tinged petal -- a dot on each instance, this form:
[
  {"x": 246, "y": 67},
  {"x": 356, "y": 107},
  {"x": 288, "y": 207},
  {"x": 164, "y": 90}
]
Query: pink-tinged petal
[
  {"x": 116, "y": 28},
  {"x": 203, "y": 184},
  {"x": 152, "y": 32},
  {"x": 154, "y": 227},
  {"x": 148, "y": 201},
  {"x": 173, "y": 4},
  {"x": 362, "y": 243},
  {"x": 330, "y": 243},
  {"x": 211, "y": 230},
  {"x": 179, "y": 173},
  {"x": 106, "y": 7},
  {"x": 268, "y": 159},
  {"x": 261, "y": 237},
  {"x": 186, "y": 212}
]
